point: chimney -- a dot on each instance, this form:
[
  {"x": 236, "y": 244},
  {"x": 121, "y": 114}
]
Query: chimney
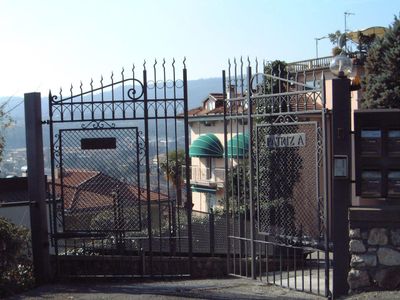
[{"x": 231, "y": 91}]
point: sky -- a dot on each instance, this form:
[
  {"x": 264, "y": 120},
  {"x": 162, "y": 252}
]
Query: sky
[{"x": 48, "y": 44}]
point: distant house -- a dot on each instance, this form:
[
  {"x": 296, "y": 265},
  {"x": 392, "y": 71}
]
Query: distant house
[
  {"x": 207, "y": 152},
  {"x": 93, "y": 200}
]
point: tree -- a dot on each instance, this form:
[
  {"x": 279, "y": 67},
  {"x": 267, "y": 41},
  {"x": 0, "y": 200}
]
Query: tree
[
  {"x": 382, "y": 71},
  {"x": 172, "y": 167},
  {"x": 338, "y": 39},
  {"x": 276, "y": 68},
  {"x": 335, "y": 37},
  {"x": 5, "y": 122}
]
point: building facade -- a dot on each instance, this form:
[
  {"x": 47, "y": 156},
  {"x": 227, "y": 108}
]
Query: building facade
[{"x": 207, "y": 132}]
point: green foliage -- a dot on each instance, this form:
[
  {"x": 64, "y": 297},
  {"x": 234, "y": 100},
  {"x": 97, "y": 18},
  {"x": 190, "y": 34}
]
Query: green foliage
[
  {"x": 382, "y": 71},
  {"x": 278, "y": 69},
  {"x": 365, "y": 42},
  {"x": 172, "y": 166},
  {"x": 16, "y": 269},
  {"x": 280, "y": 212},
  {"x": 238, "y": 188},
  {"x": 335, "y": 37},
  {"x": 338, "y": 39}
]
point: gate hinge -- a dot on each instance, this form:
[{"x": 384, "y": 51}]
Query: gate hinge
[{"x": 45, "y": 122}]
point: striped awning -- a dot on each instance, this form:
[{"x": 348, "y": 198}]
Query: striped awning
[
  {"x": 238, "y": 146},
  {"x": 206, "y": 145}
]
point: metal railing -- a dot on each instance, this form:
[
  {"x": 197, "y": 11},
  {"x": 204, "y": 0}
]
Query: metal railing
[
  {"x": 310, "y": 64},
  {"x": 206, "y": 176}
]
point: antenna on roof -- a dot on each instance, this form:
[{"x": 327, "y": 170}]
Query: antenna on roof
[{"x": 346, "y": 14}]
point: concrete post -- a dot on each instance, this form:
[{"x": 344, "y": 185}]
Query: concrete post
[
  {"x": 36, "y": 188},
  {"x": 341, "y": 183}
]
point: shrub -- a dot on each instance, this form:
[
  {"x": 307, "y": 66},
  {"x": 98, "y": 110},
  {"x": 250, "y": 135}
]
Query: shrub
[{"x": 16, "y": 268}]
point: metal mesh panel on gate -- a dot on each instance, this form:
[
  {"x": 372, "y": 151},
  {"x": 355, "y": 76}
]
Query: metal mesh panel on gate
[
  {"x": 287, "y": 180},
  {"x": 96, "y": 195}
]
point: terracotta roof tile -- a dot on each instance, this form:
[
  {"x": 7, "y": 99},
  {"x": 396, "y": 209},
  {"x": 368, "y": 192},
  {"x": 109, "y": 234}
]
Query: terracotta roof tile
[
  {"x": 217, "y": 110},
  {"x": 194, "y": 111},
  {"x": 91, "y": 189}
]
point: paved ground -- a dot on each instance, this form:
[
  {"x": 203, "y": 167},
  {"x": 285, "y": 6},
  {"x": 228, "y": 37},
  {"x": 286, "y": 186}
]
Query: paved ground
[{"x": 181, "y": 289}]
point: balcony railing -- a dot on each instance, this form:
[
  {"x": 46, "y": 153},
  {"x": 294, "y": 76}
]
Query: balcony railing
[
  {"x": 206, "y": 176},
  {"x": 310, "y": 64}
]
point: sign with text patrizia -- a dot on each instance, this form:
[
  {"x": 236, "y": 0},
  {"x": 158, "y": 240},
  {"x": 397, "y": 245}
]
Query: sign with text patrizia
[{"x": 288, "y": 140}]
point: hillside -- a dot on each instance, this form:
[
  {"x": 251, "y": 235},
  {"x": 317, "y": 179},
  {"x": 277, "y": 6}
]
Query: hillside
[{"x": 15, "y": 136}]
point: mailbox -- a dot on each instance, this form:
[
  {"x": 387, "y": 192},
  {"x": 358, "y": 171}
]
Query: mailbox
[
  {"x": 371, "y": 183},
  {"x": 377, "y": 154},
  {"x": 393, "y": 143},
  {"x": 394, "y": 183},
  {"x": 371, "y": 142}
]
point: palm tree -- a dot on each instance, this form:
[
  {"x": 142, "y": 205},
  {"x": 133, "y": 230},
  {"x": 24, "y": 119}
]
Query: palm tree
[{"x": 172, "y": 165}]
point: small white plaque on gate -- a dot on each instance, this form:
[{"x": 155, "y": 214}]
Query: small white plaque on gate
[{"x": 286, "y": 140}]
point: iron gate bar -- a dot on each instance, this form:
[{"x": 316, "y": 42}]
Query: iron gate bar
[
  {"x": 157, "y": 154},
  {"x": 326, "y": 188},
  {"x": 146, "y": 130},
  {"x": 53, "y": 204},
  {"x": 187, "y": 162},
  {"x": 251, "y": 166},
  {"x": 227, "y": 207}
]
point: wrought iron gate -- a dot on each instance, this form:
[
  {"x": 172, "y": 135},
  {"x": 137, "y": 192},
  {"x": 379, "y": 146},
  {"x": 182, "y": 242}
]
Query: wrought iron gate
[
  {"x": 115, "y": 209},
  {"x": 276, "y": 177}
]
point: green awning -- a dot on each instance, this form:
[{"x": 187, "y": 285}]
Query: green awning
[
  {"x": 238, "y": 146},
  {"x": 206, "y": 145},
  {"x": 203, "y": 189}
]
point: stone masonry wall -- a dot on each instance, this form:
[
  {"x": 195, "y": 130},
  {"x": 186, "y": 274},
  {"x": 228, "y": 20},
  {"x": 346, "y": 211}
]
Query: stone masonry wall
[{"x": 375, "y": 252}]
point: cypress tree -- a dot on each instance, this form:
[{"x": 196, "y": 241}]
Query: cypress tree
[{"x": 382, "y": 71}]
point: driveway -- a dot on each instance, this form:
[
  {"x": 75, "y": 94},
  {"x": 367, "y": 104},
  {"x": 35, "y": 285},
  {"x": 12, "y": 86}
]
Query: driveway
[
  {"x": 178, "y": 289},
  {"x": 229, "y": 288}
]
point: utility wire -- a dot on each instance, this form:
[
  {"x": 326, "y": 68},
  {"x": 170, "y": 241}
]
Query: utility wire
[{"x": 14, "y": 107}]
